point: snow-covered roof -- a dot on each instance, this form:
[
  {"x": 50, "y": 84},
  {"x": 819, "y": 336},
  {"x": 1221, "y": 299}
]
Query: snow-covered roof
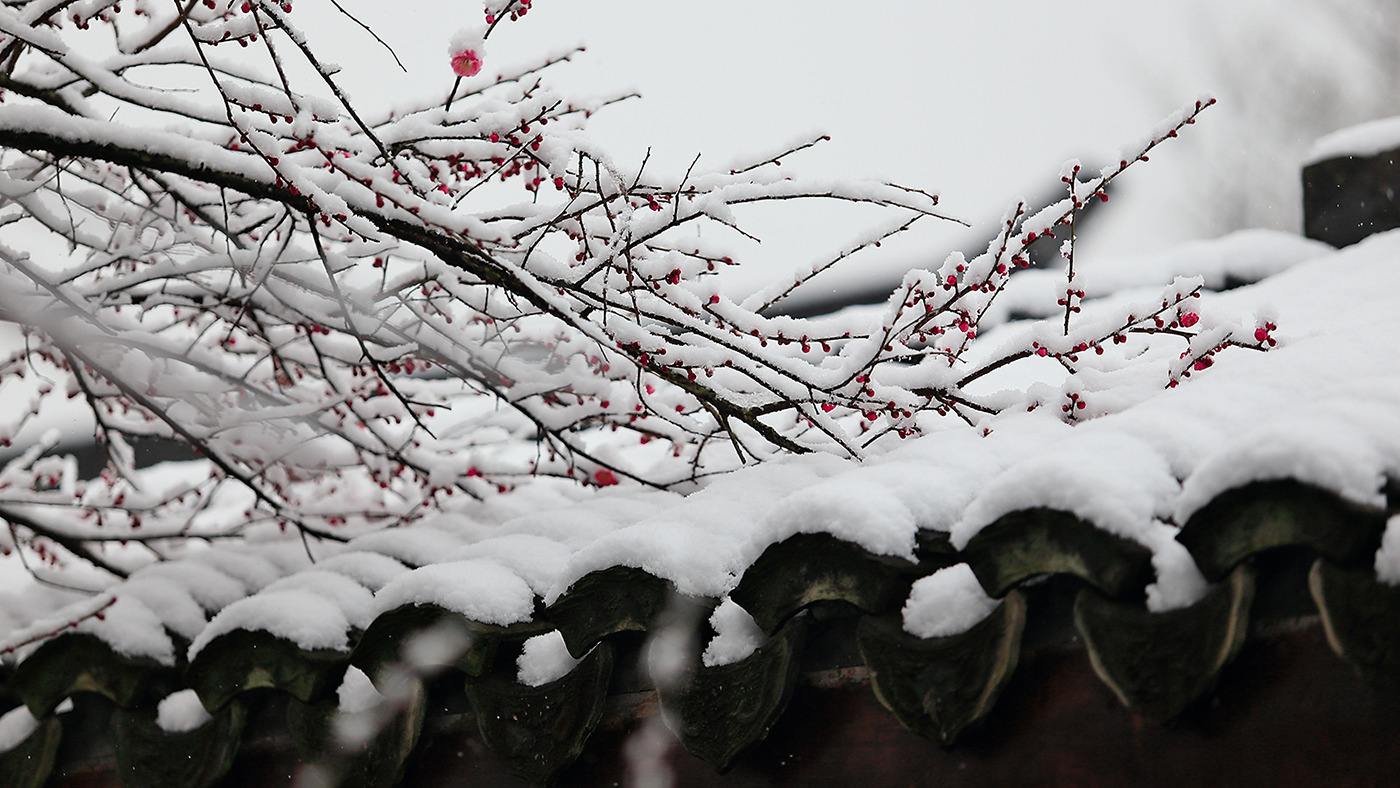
[
  {"x": 1154, "y": 503},
  {"x": 1366, "y": 139}
]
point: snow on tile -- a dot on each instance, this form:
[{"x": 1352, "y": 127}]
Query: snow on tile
[
  {"x": 371, "y": 570},
  {"x": 1388, "y": 556},
  {"x": 212, "y": 589},
  {"x": 16, "y": 725},
  {"x": 1366, "y": 139},
  {"x": 1315, "y": 447},
  {"x": 585, "y": 521},
  {"x": 252, "y": 571},
  {"x": 543, "y": 659},
  {"x": 123, "y": 623},
  {"x": 538, "y": 560},
  {"x": 480, "y": 590},
  {"x": 33, "y": 602},
  {"x": 737, "y": 635},
  {"x": 1179, "y": 581},
  {"x": 857, "y": 510},
  {"x": 703, "y": 542},
  {"x": 698, "y": 561},
  {"x": 305, "y": 618},
  {"x": 1113, "y": 481},
  {"x": 173, "y": 605},
  {"x": 1231, "y": 260},
  {"x": 354, "y": 600},
  {"x": 415, "y": 545},
  {"x": 285, "y": 551},
  {"x": 181, "y": 712},
  {"x": 947, "y": 602},
  {"x": 935, "y": 479},
  {"x": 356, "y": 692},
  {"x": 1322, "y": 408}
]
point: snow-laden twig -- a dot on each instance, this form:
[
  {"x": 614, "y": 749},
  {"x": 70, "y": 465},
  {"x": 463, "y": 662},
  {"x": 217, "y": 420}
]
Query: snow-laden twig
[{"x": 358, "y": 316}]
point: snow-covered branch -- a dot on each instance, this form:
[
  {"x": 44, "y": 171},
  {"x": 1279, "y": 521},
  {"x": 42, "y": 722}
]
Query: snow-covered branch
[{"x": 357, "y": 316}]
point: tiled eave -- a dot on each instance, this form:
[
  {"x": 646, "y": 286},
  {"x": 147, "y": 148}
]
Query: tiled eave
[{"x": 1292, "y": 566}]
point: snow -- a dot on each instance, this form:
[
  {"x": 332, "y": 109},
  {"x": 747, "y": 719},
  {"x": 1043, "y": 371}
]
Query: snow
[
  {"x": 20, "y": 609},
  {"x": 127, "y": 626},
  {"x": 284, "y": 550},
  {"x": 1179, "y": 581},
  {"x": 864, "y": 512},
  {"x": 353, "y": 599},
  {"x": 1366, "y": 139},
  {"x": 181, "y": 712},
  {"x": 702, "y": 543},
  {"x": 698, "y": 560},
  {"x": 212, "y": 589},
  {"x": 543, "y": 659},
  {"x": 473, "y": 37},
  {"x": 132, "y": 630},
  {"x": 1317, "y": 448},
  {"x": 1388, "y": 556},
  {"x": 934, "y": 482},
  {"x": 361, "y": 709},
  {"x": 480, "y": 590},
  {"x": 1241, "y": 257},
  {"x": 1322, "y": 408},
  {"x": 172, "y": 604},
  {"x": 582, "y": 522},
  {"x": 16, "y": 725},
  {"x": 737, "y": 635},
  {"x": 947, "y": 602},
  {"x": 414, "y": 545},
  {"x": 371, "y": 570},
  {"x": 537, "y": 560},
  {"x": 305, "y": 618},
  {"x": 356, "y": 692},
  {"x": 254, "y": 572},
  {"x": 1111, "y": 480},
  {"x": 1318, "y": 409}
]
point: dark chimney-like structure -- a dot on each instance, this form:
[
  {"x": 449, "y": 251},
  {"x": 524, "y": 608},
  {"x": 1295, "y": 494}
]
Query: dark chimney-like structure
[{"x": 1349, "y": 197}]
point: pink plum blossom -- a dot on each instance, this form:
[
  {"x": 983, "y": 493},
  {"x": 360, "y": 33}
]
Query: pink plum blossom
[{"x": 466, "y": 63}]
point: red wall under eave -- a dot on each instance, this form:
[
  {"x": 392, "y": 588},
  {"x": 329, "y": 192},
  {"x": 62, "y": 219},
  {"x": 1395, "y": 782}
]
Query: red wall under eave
[{"x": 1287, "y": 712}]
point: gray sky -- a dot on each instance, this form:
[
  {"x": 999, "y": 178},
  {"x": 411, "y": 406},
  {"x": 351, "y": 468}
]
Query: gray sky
[
  {"x": 961, "y": 98},
  {"x": 980, "y": 101}
]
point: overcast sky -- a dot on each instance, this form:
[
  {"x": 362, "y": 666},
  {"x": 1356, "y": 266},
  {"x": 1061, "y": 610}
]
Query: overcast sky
[{"x": 980, "y": 101}]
